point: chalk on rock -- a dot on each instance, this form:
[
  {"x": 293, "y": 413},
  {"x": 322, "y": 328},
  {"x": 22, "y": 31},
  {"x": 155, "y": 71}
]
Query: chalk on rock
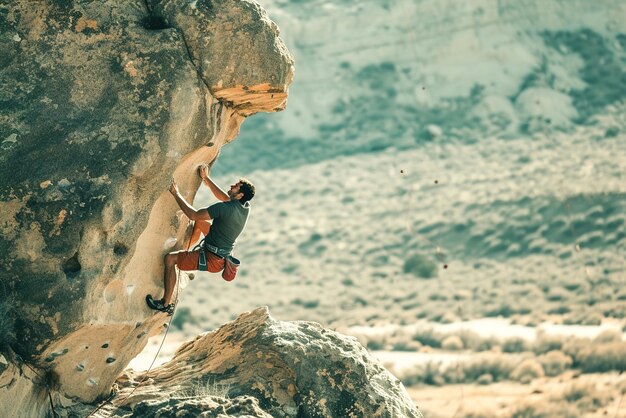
[{"x": 169, "y": 243}]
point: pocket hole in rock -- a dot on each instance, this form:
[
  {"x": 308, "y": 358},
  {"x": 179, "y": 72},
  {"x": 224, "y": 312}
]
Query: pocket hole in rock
[
  {"x": 153, "y": 22},
  {"x": 71, "y": 266},
  {"x": 120, "y": 248}
]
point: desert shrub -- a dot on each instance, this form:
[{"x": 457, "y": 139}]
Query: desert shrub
[
  {"x": 485, "y": 379},
  {"x": 555, "y": 362},
  {"x": 587, "y": 397},
  {"x": 470, "y": 339},
  {"x": 545, "y": 410},
  {"x": 376, "y": 342},
  {"x": 499, "y": 367},
  {"x": 445, "y": 318},
  {"x": 405, "y": 346},
  {"x": 601, "y": 358},
  {"x": 427, "y": 374},
  {"x": 573, "y": 346},
  {"x": 312, "y": 303},
  {"x": 428, "y": 337},
  {"x": 475, "y": 414},
  {"x": 559, "y": 310},
  {"x": 514, "y": 345},
  {"x": 571, "y": 286},
  {"x": 587, "y": 318},
  {"x": 506, "y": 311},
  {"x": 608, "y": 336},
  {"x": 546, "y": 343},
  {"x": 206, "y": 389},
  {"x": 452, "y": 342},
  {"x": 527, "y": 370},
  {"x": 557, "y": 294},
  {"x": 487, "y": 344},
  {"x": 454, "y": 374},
  {"x": 183, "y": 316},
  {"x": 420, "y": 266}
]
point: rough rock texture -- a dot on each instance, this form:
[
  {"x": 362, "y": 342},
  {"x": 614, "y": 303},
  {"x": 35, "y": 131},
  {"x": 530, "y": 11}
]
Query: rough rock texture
[
  {"x": 101, "y": 102},
  {"x": 292, "y": 369},
  {"x": 248, "y": 82}
]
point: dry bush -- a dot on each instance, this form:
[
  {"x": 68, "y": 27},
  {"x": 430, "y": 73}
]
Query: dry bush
[
  {"x": 527, "y": 370},
  {"x": 515, "y": 345},
  {"x": 446, "y": 318},
  {"x": 428, "y": 337},
  {"x": 555, "y": 362},
  {"x": 545, "y": 343},
  {"x": 471, "y": 339},
  {"x": 485, "y": 379},
  {"x": 376, "y": 342},
  {"x": 601, "y": 358},
  {"x": 452, "y": 343},
  {"x": 427, "y": 374},
  {"x": 608, "y": 336},
  {"x": 454, "y": 374},
  {"x": 401, "y": 340},
  {"x": 545, "y": 410},
  {"x": 420, "y": 266},
  {"x": 557, "y": 294},
  {"x": 584, "y": 318},
  {"x": 401, "y": 345},
  {"x": 574, "y": 346},
  {"x": 487, "y": 344},
  {"x": 207, "y": 389},
  {"x": 587, "y": 397},
  {"x": 183, "y": 316},
  {"x": 476, "y": 414},
  {"x": 498, "y": 366}
]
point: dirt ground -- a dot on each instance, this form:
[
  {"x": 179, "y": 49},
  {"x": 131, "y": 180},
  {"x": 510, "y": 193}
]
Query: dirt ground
[{"x": 503, "y": 399}]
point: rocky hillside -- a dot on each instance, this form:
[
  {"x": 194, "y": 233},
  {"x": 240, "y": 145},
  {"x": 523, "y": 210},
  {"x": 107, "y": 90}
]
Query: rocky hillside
[{"x": 374, "y": 75}]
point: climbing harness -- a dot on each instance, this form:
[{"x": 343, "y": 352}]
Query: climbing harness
[{"x": 231, "y": 264}]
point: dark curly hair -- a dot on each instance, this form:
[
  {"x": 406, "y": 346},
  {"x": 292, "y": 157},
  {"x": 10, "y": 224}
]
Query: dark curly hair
[{"x": 248, "y": 190}]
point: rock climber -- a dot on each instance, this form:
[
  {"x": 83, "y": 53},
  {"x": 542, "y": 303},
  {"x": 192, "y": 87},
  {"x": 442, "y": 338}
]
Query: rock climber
[{"x": 221, "y": 224}]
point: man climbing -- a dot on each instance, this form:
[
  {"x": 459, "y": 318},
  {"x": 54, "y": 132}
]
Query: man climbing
[{"x": 228, "y": 218}]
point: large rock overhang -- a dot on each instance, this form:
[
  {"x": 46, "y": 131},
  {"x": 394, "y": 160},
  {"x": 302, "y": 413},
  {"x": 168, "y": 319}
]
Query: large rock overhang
[{"x": 99, "y": 107}]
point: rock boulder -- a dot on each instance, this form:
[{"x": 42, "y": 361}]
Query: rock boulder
[
  {"x": 101, "y": 103},
  {"x": 272, "y": 368}
]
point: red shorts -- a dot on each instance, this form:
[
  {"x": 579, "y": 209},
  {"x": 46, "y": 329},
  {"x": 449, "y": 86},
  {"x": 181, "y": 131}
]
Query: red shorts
[{"x": 188, "y": 261}]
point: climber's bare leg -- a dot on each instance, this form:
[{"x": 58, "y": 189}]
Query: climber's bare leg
[
  {"x": 199, "y": 227},
  {"x": 169, "y": 277}
]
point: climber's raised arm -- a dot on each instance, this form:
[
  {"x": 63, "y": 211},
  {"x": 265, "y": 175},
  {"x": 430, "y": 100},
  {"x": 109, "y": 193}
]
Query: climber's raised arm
[
  {"x": 188, "y": 210},
  {"x": 215, "y": 189}
]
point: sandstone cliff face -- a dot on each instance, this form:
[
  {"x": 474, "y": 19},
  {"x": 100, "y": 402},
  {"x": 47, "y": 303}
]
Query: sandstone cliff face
[
  {"x": 258, "y": 366},
  {"x": 101, "y": 102}
]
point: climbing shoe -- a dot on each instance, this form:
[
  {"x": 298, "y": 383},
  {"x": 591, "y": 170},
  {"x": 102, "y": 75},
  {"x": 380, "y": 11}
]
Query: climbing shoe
[{"x": 158, "y": 305}]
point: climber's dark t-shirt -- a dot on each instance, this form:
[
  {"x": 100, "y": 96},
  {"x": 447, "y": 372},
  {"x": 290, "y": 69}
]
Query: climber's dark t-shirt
[{"x": 229, "y": 220}]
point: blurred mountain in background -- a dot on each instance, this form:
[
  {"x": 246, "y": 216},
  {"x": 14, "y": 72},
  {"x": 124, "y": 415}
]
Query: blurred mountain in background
[{"x": 376, "y": 74}]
